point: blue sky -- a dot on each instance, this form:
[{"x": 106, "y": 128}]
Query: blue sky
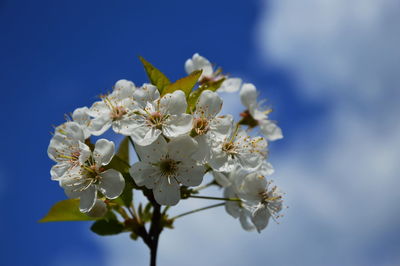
[{"x": 329, "y": 69}]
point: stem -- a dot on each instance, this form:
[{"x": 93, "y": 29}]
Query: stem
[
  {"x": 214, "y": 198},
  {"x": 197, "y": 210},
  {"x": 154, "y": 233}
]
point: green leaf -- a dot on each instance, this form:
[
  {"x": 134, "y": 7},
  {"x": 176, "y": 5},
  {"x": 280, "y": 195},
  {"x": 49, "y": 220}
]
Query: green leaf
[
  {"x": 127, "y": 194},
  {"x": 107, "y": 227},
  {"x": 194, "y": 95},
  {"x": 185, "y": 84},
  {"x": 123, "y": 150},
  {"x": 66, "y": 210},
  {"x": 156, "y": 77}
]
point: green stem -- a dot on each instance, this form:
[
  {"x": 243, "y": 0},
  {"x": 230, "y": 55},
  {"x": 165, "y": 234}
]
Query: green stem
[
  {"x": 197, "y": 210},
  {"x": 214, "y": 198},
  {"x": 204, "y": 186}
]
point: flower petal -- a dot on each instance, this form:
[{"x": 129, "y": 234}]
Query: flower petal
[
  {"x": 190, "y": 174},
  {"x": 167, "y": 192},
  {"x": 248, "y": 95},
  {"x": 230, "y": 85},
  {"x": 208, "y": 105},
  {"x": 87, "y": 199},
  {"x": 182, "y": 148},
  {"x": 198, "y": 62},
  {"x": 260, "y": 217},
  {"x": 85, "y": 152},
  {"x": 270, "y": 130},
  {"x": 221, "y": 179},
  {"x": 103, "y": 151},
  {"x": 99, "y": 209},
  {"x": 100, "y": 124},
  {"x": 146, "y": 93},
  {"x": 111, "y": 184},
  {"x": 178, "y": 125},
  {"x": 154, "y": 152},
  {"x": 123, "y": 89},
  {"x": 143, "y": 174},
  {"x": 173, "y": 103}
]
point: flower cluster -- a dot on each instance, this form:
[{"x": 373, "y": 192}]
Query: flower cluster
[{"x": 179, "y": 135}]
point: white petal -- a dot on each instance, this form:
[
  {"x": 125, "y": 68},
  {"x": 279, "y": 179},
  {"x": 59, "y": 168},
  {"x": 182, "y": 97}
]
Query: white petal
[
  {"x": 230, "y": 85},
  {"x": 146, "y": 93},
  {"x": 232, "y": 207},
  {"x": 253, "y": 184},
  {"x": 202, "y": 153},
  {"x": 182, "y": 148},
  {"x": 178, "y": 125},
  {"x": 167, "y": 192},
  {"x": 221, "y": 179},
  {"x": 123, "y": 88},
  {"x": 143, "y": 174},
  {"x": 87, "y": 199},
  {"x": 270, "y": 130},
  {"x": 248, "y": 95},
  {"x": 111, "y": 184},
  {"x": 208, "y": 105},
  {"x": 103, "y": 151},
  {"x": 85, "y": 152},
  {"x": 221, "y": 126},
  {"x": 100, "y": 124},
  {"x": 198, "y": 62},
  {"x": 190, "y": 174},
  {"x": 218, "y": 159},
  {"x": 173, "y": 103},
  {"x": 124, "y": 126},
  {"x": 81, "y": 116},
  {"x": 154, "y": 152},
  {"x": 245, "y": 221},
  {"x": 260, "y": 217},
  {"x": 58, "y": 170}
]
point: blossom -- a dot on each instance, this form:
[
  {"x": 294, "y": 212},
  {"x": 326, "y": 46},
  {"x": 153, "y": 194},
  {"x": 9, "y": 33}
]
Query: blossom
[
  {"x": 261, "y": 199},
  {"x": 165, "y": 166},
  {"x": 115, "y": 109},
  {"x": 248, "y": 96},
  {"x": 198, "y": 62},
  {"x": 206, "y": 123},
  {"x": 66, "y": 148},
  {"x": 83, "y": 182},
  {"x": 82, "y": 117},
  {"x": 155, "y": 115},
  {"x": 258, "y": 201},
  {"x": 236, "y": 147}
]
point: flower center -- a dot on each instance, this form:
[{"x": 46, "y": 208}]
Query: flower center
[
  {"x": 200, "y": 125},
  {"x": 118, "y": 112},
  {"x": 156, "y": 120},
  {"x": 168, "y": 167},
  {"x": 229, "y": 147}
]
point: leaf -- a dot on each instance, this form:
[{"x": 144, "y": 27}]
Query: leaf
[
  {"x": 194, "y": 96},
  {"x": 123, "y": 150},
  {"x": 66, "y": 210},
  {"x": 107, "y": 227},
  {"x": 156, "y": 77},
  {"x": 127, "y": 194},
  {"x": 185, "y": 84}
]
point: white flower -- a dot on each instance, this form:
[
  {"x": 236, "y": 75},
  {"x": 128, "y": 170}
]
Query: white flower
[
  {"x": 237, "y": 208},
  {"x": 82, "y": 117},
  {"x": 84, "y": 182},
  {"x": 248, "y": 96},
  {"x": 165, "y": 166},
  {"x": 236, "y": 147},
  {"x": 155, "y": 115},
  {"x": 262, "y": 200},
  {"x": 258, "y": 202},
  {"x": 114, "y": 110},
  {"x": 198, "y": 62},
  {"x": 206, "y": 123},
  {"x": 66, "y": 148},
  {"x": 99, "y": 209}
]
